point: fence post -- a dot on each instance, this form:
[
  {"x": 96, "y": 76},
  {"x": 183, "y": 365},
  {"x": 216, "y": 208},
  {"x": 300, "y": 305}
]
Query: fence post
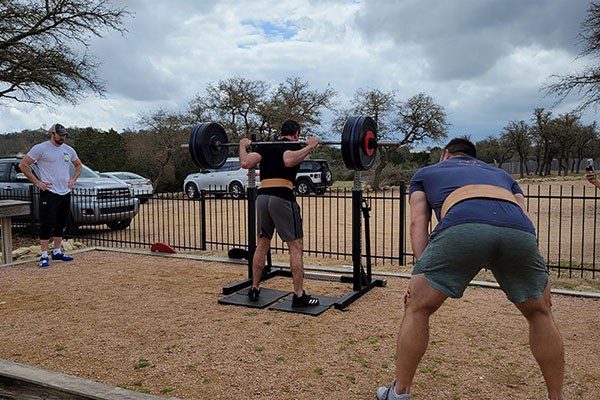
[
  {"x": 202, "y": 220},
  {"x": 402, "y": 224}
]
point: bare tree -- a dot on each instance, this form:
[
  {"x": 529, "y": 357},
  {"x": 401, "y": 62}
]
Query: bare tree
[
  {"x": 380, "y": 106},
  {"x": 585, "y": 137},
  {"x": 158, "y": 144},
  {"x": 585, "y": 83},
  {"x": 517, "y": 136},
  {"x": 417, "y": 119},
  {"x": 492, "y": 150},
  {"x": 38, "y": 47},
  {"x": 542, "y": 140},
  {"x": 564, "y": 130},
  {"x": 233, "y": 102},
  {"x": 294, "y": 99}
]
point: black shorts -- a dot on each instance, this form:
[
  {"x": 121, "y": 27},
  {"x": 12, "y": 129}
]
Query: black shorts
[{"x": 54, "y": 211}]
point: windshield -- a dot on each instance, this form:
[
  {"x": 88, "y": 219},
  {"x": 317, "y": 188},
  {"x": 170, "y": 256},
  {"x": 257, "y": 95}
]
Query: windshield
[{"x": 85, "y": 172}]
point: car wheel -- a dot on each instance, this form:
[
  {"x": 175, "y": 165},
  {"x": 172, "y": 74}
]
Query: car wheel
[
  {"x": 191, "y": 190},
  {"x": 118, "y": 225},
  {"x": 320, "y": 191},
  {"x": 236, "y": 190},
  {"x": 303, "y": 188},
  {"x": 327, "y": 177}
]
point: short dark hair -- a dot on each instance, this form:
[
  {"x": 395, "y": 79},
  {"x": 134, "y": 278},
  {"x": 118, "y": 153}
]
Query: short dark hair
[
  {"x": 461, "y": 145},
  {"x": 289, "y": 128}
]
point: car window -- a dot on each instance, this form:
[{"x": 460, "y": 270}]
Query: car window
[
  {"x": 4, "y": 166},
  {"x": 230, "y": 166},
  {"x": 131, "y": 175},
  {"x": 307, "y": 166},
  {"x": 12, "y": 174}
]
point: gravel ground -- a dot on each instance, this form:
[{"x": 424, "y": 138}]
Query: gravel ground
[{"x": 153, "y": 324}]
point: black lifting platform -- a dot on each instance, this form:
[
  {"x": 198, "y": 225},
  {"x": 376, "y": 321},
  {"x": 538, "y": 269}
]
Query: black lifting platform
[{"x": 361, "y": 278}]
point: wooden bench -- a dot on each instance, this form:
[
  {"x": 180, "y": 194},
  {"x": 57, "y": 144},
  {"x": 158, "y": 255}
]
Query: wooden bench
[
  {"x": 18, "y": 381},
  {"x": 9, "y": 209}
]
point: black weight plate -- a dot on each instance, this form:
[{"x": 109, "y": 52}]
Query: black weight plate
[
  {"x": 192, "y": 145},
  {"x": 365, "y": 124},
  {"x": 353, "y": 136},
  {"x": 204, "y": 145},
  {"x": 347, "y": 140}
]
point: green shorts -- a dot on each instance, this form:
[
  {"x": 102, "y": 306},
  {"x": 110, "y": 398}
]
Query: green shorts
[{"x": 456, "y": 254}]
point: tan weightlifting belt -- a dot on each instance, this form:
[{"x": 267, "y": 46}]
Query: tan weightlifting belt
[
  {"x": 276, "y": 182},
  {"x": 474, "y": 192}
]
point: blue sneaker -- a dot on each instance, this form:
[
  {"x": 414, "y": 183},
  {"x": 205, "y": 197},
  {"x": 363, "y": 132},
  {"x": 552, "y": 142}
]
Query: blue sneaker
[
  {"x": 44, "y": 262},
  {"x": 61, "y": 256}
]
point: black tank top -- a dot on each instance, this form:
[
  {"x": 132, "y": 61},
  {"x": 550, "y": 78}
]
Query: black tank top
[{"x": 272, "y": 166}]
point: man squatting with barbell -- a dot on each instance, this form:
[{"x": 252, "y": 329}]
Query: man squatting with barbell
[
  {"x": 482, "y": 223},
  {"x": 276, "y": 206}
]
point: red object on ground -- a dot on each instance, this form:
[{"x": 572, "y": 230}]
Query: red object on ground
[{"x": 162, "y": 248}]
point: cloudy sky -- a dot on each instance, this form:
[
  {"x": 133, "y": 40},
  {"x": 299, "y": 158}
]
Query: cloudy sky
[{"x": 483, "y": 60}]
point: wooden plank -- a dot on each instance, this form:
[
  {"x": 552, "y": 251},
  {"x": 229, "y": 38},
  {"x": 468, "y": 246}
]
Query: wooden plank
[
  {"x": 11, "y": 208},
  {"x": 19, "y": 381}
]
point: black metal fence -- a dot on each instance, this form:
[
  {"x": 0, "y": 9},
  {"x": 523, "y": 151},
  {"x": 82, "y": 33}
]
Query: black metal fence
[{"x": 565, "y": 217}]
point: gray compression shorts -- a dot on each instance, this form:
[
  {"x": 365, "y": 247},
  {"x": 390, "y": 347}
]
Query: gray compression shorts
[{"x": 273, "y": 212}]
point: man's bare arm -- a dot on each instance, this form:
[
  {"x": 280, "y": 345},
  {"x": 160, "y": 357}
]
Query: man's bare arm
[
  {"x": 78, "y": 168},
  {"x": 420, "y": 216},
  {"x": 25, "y": 167},
  {"x": 248, "y": 160},
  {"x": 295, "y": 157}
]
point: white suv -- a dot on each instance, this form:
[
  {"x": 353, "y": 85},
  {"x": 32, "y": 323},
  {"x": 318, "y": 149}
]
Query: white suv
[
  {"x": 313, "y": 176},
  {"x": 230, "y": 179}
]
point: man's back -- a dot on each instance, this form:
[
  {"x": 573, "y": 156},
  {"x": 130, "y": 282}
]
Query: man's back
[{"x": 441, "y": 179}]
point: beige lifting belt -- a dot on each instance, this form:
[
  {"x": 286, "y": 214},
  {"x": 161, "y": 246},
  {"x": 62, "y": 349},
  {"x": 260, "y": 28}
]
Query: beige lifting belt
[
  {"x": 474, "y": 192},
  {"x": 276, "y": 182}
]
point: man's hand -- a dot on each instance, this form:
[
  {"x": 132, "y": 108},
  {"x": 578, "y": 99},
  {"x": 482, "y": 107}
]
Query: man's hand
[
  {"x": 43, "y": 185},
  {"x": 71, "y": 182},
  {"x": 591, "y": 177},
  {"x": 245, "y": 143},
  {"x": 312, "y": 142}
]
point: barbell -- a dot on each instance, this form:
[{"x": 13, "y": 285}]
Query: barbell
[{"x": 209, "y": 144}]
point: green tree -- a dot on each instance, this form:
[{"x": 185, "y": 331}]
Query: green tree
[{"x": 101, "y": 150}]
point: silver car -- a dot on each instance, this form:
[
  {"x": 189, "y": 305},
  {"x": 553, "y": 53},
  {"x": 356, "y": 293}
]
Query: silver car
[
  {"x": 140, "y": 187},
  {"x": 230, "y": 179},
  {"x": 94, "y": 200}
]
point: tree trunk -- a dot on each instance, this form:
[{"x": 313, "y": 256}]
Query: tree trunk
[
  {"x": 377, "y": 174},
  {"x": 383, "y": 161},
  {"x": 521, "y": 167}
]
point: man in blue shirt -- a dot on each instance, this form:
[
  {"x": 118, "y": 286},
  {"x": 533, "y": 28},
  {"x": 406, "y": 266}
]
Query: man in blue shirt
[{"x": 483, "y": 223}]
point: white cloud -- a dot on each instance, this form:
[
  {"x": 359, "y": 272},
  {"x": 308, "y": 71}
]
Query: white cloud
[{"x": 484, "y": 60}]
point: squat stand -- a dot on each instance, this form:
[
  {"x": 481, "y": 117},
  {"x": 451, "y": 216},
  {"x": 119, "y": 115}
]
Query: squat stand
[
  {"x": 361, "y": 281},
  {"x": 268, "y": 272}
]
